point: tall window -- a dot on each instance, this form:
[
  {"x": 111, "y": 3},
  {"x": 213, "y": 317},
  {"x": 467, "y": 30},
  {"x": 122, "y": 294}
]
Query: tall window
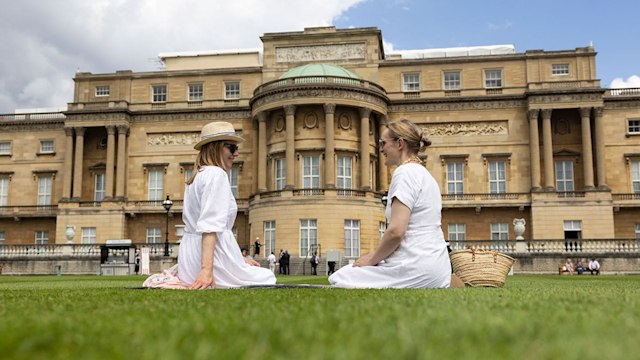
[
  {"x": 5, "y": 147},
  {"x": 99, "y": 187},
  {"x": 233, "y": 180},
  {"x": 633, "y": 125},
  {"x": 159, "y": 94},
  {"x": 411, "y": 82},
  {"x": 46, "y": 146},
  {"x": 497, "y": 177},
  {"x": 382, "y": 227},
  {"x": 492, "y": 79},
  {"x": 455, "y": 178},
  {"x": 352, "y": 238},
  {"x": 4, "y": 190},
  {"x": 155, "y": 184},
  {"x": 42, "y": 237},
  {"x": 45, "y": 184},
  {"x": 311, "y": 172},
  {"x": 281, "y": 173},
  {"x": 2, "y": 237},
  {"x": 270, "y": 237},
  {"x": 154, "y": 235},
  {"x": 457, "y": 232},
  {"x": 232, "y": 90},
  {"x": 308, "y": 235},
  {"x": 500, "y": 231},
  {"x": 560, "y": 69},
  {"x": 344, "y": 172},
  {"x": 88, "y": 235},
  {"x": 452, "y": 80},
  {"x": 635, "y": 176},
  {"x": 564, "y": 175},
  {"x": 196, "y": 92},
  {"x": 102, "y": 90},
  {"x": 188, "y": 171}
]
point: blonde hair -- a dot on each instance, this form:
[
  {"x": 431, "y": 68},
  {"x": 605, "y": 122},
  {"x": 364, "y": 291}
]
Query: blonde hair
[
  {"x": 414, "y": 136},
  {"x": 210, "y": 155}
]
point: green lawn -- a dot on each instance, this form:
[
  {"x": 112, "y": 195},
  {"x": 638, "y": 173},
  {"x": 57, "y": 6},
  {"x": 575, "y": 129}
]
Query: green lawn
[{"x": 532, "y": 317}]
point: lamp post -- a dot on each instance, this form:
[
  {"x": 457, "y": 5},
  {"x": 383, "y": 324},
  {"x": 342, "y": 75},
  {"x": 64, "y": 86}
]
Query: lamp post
[{"x": 167, "y": 206}]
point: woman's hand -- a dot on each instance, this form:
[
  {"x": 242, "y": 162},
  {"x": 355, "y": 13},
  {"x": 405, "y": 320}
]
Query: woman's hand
[
  {"x": 364, "y": 261},
  {"x": 251, "y": 262},
  {"x": 203, "y": 281}
]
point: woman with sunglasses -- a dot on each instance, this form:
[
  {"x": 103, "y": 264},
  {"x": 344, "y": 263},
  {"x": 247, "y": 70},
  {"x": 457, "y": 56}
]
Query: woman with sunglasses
[
  {"x": 412, "y": 252},
  {"x": 209, "y": 254}
]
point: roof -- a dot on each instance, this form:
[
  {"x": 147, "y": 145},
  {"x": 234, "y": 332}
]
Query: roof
[{"x": 319, "y": 70}]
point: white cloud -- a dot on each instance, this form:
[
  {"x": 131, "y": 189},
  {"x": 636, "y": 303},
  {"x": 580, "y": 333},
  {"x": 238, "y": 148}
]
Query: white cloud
[
  {"x": 505, "y": 25},
  {"x": 619, "y": 83},
  {"x": 44, "y": 42}
]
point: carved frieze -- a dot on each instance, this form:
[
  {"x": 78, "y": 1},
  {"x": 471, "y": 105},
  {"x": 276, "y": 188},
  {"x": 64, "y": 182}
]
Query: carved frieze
[
  {"x": 633, "y": 104},
  {"x": 176, "y": 138},
  {"x": 563, "y": 98},
  {"x": 212, "y": 116},
  {"x": 321, "y": 52},
  {"x": 469, "y": 128},
  {"x": 31, "y": 126},
  {"x": 468, "y": 105}
]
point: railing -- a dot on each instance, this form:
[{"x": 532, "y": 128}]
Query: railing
[
  {"x": 351, "y": 192},
  {"x": 308, "y": 192},
  {"x": 623, "y": 92},
  {"x": 34, "y": 116},
  {"x": 629, "y": 196},
  {"x": 29, "y": 210},
  {"x": 577, "y": 246},
  {"x": 486, "y": 196},
  {"x": 76, "y": 250}
]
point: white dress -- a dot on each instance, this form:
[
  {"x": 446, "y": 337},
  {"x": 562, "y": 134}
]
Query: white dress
[
  {"x": 421, "y": 260},
  {"x": 209, "y": 206}
]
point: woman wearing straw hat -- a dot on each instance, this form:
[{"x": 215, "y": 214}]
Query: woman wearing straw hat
[{"x": 209, "y": 253}]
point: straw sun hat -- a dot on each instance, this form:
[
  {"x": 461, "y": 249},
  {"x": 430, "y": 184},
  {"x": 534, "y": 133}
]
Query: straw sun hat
[{"x": 217, "y": 131}]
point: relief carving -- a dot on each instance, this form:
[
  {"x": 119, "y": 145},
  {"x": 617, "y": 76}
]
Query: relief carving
[
  {"x": 475, "y": 105},
  {"x": 467, "y": 128},
  {"x": 321, "y": 52},
  {"x": 163, "y": 139}
]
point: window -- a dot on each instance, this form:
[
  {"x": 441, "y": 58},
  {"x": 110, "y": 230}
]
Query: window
[
  {"x": 88, "y": 235},
  {"x": 155, "y": 184},
  {"x": 99, "y": 187},
  {"x": 233, "y": 180},
  {"x": 154, "y": 235},
  {"x": 102, "y": 90},
  {"x": 46, "y": 146},
  {"x": 382, "y": 227},
  {"x": 497, "y": 177},
  {"x": 308, "y": 236},
  {"x": 560, "y": 69},
  {"x": 499, "y": 231},
  {"x": 232, "y": 90},
  {"x": 188, "y": 172},
  {"x": 270, "y": 237},
  {"x": 635, "y": 176},
  {"x": 344, "y": 172},
  {"x": 2, "y": 237},
  {"x": 352, "y": 238},
  {"x": 634, "y": 128},
  {"x": 492, "y": 79},
  {"x": 45, "y": 184},
  {"x": 159, "y": 94},
  {"x": 42, "y": 237},
  {"x": 455, "y": 178},
  {"x": 457, "y": 232},
  {"x": 564, "y": 175},
  {"x": 311, "y": 172},
  {"x": 281, "y": 173},
  {"x": 637, "y": 233},
  {"x": 572, "y": 231},
  {"x": 411, "y": 82},
  {"x": 452, "y": 80},
  {"x": 4, "y": 190},
  {"x": 196, "y": 92},
  {"x": 5, "y": 147}
]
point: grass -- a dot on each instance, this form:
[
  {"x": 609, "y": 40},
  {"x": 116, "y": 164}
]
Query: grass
[{"x": 532, "y": 317}]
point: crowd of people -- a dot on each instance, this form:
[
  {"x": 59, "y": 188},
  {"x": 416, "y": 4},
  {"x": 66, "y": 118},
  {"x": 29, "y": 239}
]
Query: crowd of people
[{"x": 580, "y": 266}]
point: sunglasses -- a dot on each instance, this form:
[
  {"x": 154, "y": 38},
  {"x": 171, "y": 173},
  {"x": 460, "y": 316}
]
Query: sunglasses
[
  {"x": 232, "y": 147},
  {"x": 382, "y": 142}
]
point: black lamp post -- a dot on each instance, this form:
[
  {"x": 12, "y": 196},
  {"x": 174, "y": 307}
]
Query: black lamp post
[{"x": 167, "y": 206}]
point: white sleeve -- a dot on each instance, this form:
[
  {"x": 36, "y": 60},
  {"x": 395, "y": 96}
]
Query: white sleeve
[
  {"x": 214, "y": 203},
  {"x": 403, "y": 188}
]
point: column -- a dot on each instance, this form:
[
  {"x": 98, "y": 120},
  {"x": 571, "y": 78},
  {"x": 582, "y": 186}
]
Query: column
[
  {"x": 587, "y": 152},
  {"x": 68, "y": 164},
  {"x": 122, "y": 160},
  {"x": 383, "y": 181},
  {"x": 534, "y": 149},
  {"x": 262, "y": 151},
  {"x": 77, "y": 168},
  {"x": 600, "y": 155},
  {"x": 330, "y": 151},
  {"x": 254, "y": 145},
  {"x": 549, "y": 179},
  {"x": 290, "y": 112},
  {"x": 111, "y": 153},
  {"x": 364, "y": 148}
]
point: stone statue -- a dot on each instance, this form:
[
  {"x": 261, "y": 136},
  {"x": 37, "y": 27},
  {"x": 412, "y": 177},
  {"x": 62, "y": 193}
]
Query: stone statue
[{"x": 518, "y": 227}]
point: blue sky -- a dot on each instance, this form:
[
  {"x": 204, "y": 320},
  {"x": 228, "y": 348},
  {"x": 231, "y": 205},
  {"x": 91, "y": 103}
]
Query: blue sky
[{"x": 44, "y": 42}]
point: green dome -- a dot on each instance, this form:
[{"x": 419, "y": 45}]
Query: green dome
[{"x": 319, "y": 70}]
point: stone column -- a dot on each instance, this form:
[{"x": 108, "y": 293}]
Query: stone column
[
  {"x": 111, "y": 151},
  {"x": 77, "y": 168},
  {"x": 549, "y": 179},
  {"x": 122, "y": 160},
  {"x": 534, "y": 149},
  {"x": 290, "y": 112},
  {"x": 262, "y": 151},
  {"x": 330, "y": 151},
  {"x": 587, "y": 154},
  {"x": 364, "y": 148},
  {"x": 383, "y": 181},
  {"x": 254, "y": 145},
  {"x": 68, "y": 164},
  {"x": 600, "y": 151}
]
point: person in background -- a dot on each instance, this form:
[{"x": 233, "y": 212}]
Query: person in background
[
  {"x": 579, "y": 267},
  {"x": 568, "y": 266},
  {"x": 256, "y": 247},
  {"x": 209, "y": 253},
  {"x": 315, "y": 260},
  {"x": 272, "y": 262},
  {"x": 412, "y": 252},
  {"x": 594, "y": 267}
]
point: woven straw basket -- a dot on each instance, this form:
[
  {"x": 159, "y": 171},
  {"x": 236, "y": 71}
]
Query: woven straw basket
[{"x": 481, "y": 268}]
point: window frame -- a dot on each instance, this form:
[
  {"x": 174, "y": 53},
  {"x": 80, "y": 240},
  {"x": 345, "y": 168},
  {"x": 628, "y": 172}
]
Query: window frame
[
  {"x": 233, "y": 180},
  {"x": 633, "y": 126},
  {"x": 230, "y": 93},
  {"x": 4, "y": 189},
  {"x": 311, "y": 177},
  {"x": 497, "y": 181},
  {"x": 449, "y": 85},
  {"x": 47, "y": 146},
  {"x": 102, "y": 91},
  {"x": 455, "y": 182},
  {"x": 99, "y": 186},
  {"x": 634, "y": 170},
  {"x": 155, "y": 190},
  {"x": 308, "y": 226},
  {"x": 41, "y": 237},
  {"x": 499, "y": 230},
  {"x": 5, "y": 147},
  {"x": 412, "y": 85},
  {"x": 344, "y": 181},
  {"x": 45, "y": 195},
  {"x": 280, "y": 173},
  {"x": 564, "y": 180},
  {"x": 3, "y": 237},
  {"x": 352, "y": 238},
  {"x": 269, "y": 236},
  {"x": 560, "y": 69},
  {"x": 158, "y": 97},
  {"x": 88, "y": 235},
  {"x": 454, "y": 233},
  {"x": 499, "y": 82},
  {"x": 193, "y": 95},
  {"x": 153, "y": 233}
]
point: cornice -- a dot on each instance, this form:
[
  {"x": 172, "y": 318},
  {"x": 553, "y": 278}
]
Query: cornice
[
  {"x": 633, "y": 103},
  {"x": 31, "y": 125},
  {"x": 459, "y": 105},
  {"x": 190, "y": 116}
]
